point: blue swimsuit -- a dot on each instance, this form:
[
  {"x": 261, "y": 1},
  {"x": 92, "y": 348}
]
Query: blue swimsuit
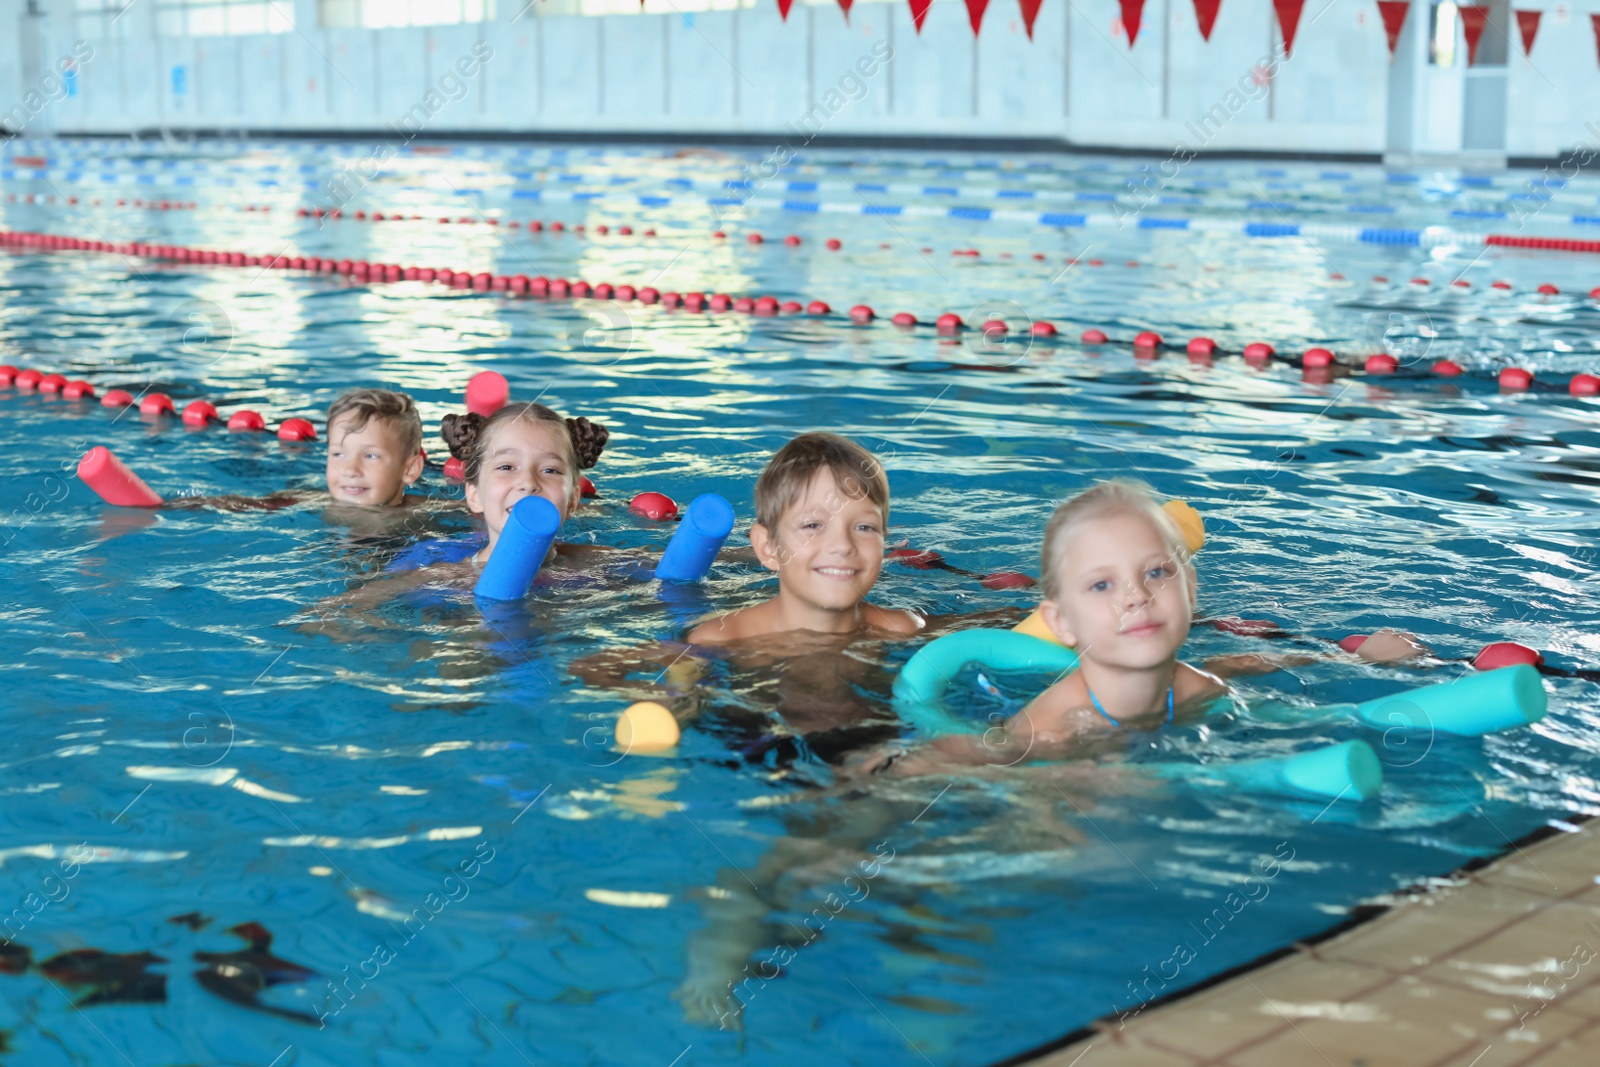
[{"x": 1096, "y": 702}]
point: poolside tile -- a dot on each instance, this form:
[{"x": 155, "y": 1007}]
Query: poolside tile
[
  {"x": 1420, "y": 932},
  {"x": 1529, "y": 956},
  {"x": 1551, "y": 867},
  {"x": 1238, "y": 1013},
  {"x": 1413, "y": 1022},
  {"x": 1516, "y": 1047},
  {"x": 1102, "y": 1052}
]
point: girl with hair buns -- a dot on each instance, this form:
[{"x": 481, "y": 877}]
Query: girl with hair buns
[{"x": 522, "y": 450}]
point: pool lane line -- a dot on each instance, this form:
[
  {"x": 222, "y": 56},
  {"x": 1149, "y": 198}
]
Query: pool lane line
[{"x": 1200, "y": 350}]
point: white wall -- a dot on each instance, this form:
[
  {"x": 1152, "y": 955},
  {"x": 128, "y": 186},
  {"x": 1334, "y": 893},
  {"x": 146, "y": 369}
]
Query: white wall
[{"x": 746, "y": 72}]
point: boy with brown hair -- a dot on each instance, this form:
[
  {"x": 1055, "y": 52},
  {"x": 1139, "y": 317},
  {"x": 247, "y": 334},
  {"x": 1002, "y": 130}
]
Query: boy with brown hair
[
  {"x": 822, "y": 513},
  {"x": 374, "y": 447}
]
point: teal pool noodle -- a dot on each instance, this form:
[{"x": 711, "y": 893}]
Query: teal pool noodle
[
  {"x": 1347, "y": 771},
  {"x": 697, "y": 540},
  {"x": 524, "y": 542},
  {"x": 919, "y": 688},
  {"x": 1472, "y": 705}
]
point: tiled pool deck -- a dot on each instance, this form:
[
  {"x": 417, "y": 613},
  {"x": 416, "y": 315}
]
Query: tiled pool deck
[{"x": 1494, "y": 967}]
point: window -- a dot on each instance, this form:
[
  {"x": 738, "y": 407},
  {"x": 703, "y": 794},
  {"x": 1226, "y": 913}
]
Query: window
[
  {"x": 221, "y": 18},
  {"x": 379, "y": 14},
  {"x": 101, "y": 18},
  {"x": 1442, "y": 41}
]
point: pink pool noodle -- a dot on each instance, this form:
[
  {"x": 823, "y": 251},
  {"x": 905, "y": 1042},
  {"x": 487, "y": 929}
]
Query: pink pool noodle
[{"x": 113, "y": 481}]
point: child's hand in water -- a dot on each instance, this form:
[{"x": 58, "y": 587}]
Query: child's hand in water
[{"x": 1392, "y": 646}]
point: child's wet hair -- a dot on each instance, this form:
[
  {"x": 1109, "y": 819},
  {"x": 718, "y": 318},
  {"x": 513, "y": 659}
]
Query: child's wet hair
[
  {"x": 396, "y": 410},
  {"x": 1117, "y": 496},
  {"x": 856, "y": 472},
  {"x": 468, "y": 436}
]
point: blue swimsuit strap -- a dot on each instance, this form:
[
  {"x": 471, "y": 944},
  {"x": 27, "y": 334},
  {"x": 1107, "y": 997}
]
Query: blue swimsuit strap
[{"x": 1096, "y": 702}]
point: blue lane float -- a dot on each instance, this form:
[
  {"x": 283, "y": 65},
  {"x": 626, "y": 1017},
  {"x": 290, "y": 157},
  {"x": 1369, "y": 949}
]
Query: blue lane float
[
  {"x": 699, "y": 537},
  {"x": 524, "y": 543}
]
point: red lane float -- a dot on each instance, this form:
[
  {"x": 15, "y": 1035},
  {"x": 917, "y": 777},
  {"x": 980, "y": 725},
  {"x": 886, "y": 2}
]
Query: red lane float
[
  {"x": 1449, "y": 368},
  {"x": 27, "y": 379},
  {"x": 1584, "y": 385},
  {"x": 1202, "y": 346},
  {"x": 922, "y": 559},
  {"x": 487, "y": 393},
  {"x": 1506, "y": 654},
  {"x": 1259, "y": 352},
  {"x": 862, "y": 313},
  {"x": 1316, "y": 357},
  {"x": 949, "y": 322},
  {"x": 78, "y": 390},
  {"x": 51, "y": 383},
  {"x": 111, "y": 479},
  {"x": 1382, "y": 363},
  {"x": 1094, "y": 337},
  {"x": 1043, "y": 329},
  {"x": 654, "y": 506},
  {"x": 1006, "y": 580},
  {"x": 455, "y": 469},
  {"x": 585, "y": 487},
  {"x": 1516, "y": 379},
  {"x": 8, "y": 374},
  {"x": 904, "y": 319},
  {"x": 296, "y": 430},
  {"x": 198, "y": 413},
  {"x": 156, "y": 404},
  {"x": 1147, "y": 339},
  {"x": 246, "y": 420},
  {"x": 117, "y": 398}
]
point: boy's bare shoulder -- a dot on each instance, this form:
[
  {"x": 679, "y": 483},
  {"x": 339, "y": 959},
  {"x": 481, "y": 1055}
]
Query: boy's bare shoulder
[
  {"x": 891, "y": 620},
  {"x": 734, "y": 626}
]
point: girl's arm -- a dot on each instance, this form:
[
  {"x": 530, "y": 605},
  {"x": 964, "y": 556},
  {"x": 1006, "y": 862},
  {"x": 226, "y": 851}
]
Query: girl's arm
[{"x": 1384, "y": 646}]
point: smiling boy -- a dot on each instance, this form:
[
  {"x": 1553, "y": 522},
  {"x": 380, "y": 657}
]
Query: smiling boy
[
  {"x": 822, "y": 509},
  {"x": 374, "y": 448}
]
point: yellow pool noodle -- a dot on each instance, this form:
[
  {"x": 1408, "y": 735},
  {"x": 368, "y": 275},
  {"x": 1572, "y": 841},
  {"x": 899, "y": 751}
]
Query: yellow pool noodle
[{"x": 645, "y": 728}]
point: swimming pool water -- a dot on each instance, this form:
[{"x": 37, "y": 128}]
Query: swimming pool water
[{"x": 168, "y": 708}]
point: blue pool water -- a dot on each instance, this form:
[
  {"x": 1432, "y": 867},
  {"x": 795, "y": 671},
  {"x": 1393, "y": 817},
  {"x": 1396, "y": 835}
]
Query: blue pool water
[{"x": 187, "y": 748}]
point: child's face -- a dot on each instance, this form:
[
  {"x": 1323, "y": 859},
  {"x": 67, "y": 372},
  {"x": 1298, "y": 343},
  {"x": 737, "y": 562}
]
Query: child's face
[
  {"x": 368, "y": 467},
  {"x": 524, "y": 458},
  {"x": 1123, "y": 600},
  {"x": 828, "y": 546}
]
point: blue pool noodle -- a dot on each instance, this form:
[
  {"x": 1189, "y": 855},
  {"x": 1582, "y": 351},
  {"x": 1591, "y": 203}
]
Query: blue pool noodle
[
  {"x": 920, "y": 686},
  {"x": 524, "y": 542},
  {"x": 1347, "y": 771},
  {"x": 1472, "y": 705},
  {"x": 699, "y": 537}
]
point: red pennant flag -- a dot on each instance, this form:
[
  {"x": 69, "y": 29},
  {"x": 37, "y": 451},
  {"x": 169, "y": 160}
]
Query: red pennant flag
[
  {"x": 844, "y": 5},
  {"x": 919, "y": 12},
  {"x": 975, "y": 10},
  {"x": 1596, "y": 20},
  {"x": 1288, "y": 20},
  {"x": 1132, "y": 12},
  {"x": 1528, "y": 23},
  {"x": 783, "y": 8},
  {"x": 1473, "y": 20},
  {"x": 1206, "y": 12},
  {"x": 1030, "y": 11},
  {"x": 1393, "y": 13}
]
